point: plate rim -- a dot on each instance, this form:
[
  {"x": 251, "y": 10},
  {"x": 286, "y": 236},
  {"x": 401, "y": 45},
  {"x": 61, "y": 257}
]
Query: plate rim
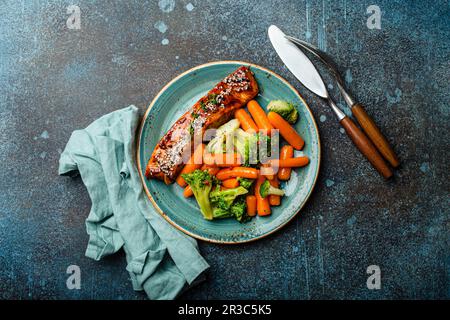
[{"x": 138, "y": 151}]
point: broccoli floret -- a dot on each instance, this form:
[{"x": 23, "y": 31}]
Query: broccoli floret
[
  {"x": 267, "y": 189},
  {"x": 239, "y": 210},
  {"x": 222, "y": 201},
  {"x": 285, "y": 109},
  {"x": 224, "y": 198},
  {"x": 229, "y": 203},
  {"x": 219, "y": 213},
  {"x": 246, "y": 183},
  {"x": 201, "y": 183}
]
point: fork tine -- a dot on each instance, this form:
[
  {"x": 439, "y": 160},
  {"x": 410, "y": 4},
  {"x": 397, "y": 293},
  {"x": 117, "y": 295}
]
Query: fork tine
[
  {"x": 304, "y": 43},
  {"x": 319, "y": 54}
]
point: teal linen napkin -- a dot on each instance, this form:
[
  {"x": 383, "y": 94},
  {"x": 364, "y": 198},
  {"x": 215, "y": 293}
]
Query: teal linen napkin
[{"x": 161, "y": 260}]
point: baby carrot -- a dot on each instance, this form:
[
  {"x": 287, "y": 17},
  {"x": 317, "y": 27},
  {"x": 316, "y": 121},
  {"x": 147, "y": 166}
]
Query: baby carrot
[
  {"x": 291, "y": 162},
  {"x": 245, "y": 120},
  {"x": 237, "y": 172},
  {"x": 262, "y": 204},
  {"x": 244, "y": 172},
  {"x": 230, "y": 183},
  {"x": 192, "y": 164},
  {"x": 260, "y": 116},
  {"x": 286, "y": 152},
  {"x": 187, "y": 192},
  {"x": 224, "y": 174},
  {"x": 273, "y": 199},
  {"x": 251, "y": 205},
  {"x": 286, "y": 130}
]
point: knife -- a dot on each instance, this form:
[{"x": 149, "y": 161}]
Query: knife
[{"x": 304, "y": 70}]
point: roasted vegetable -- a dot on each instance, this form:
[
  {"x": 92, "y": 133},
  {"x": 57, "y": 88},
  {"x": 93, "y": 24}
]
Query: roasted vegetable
[
  {"x": 285, "y": 109},
  {"x": 252, "y": 147},
  {"x": 224, "y": 204},
  {"x": 239, "y": 210},
  {"x": 201, "y": 183},
  {"x": 219, "y": 213},
  {"x": 267, "y": 189},
  {"x": 223, "y": 133},
  {"x": 216, "y": 145},
  {"x": 260, "y": 117},
  {"x": 237, "y": 172},
  {"x": 224, "y": 198},
  {"x": 246, "y": 183},
  {"x": 245, "y": 143},
  {"x": 230, "y": 137},
  {"x": 264, "y": 147},
  {"x": 286, "y": 130}
]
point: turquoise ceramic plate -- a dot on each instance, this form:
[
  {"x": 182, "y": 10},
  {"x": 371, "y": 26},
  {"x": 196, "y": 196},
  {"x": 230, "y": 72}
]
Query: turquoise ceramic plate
[{"x": 179, "y": 95}]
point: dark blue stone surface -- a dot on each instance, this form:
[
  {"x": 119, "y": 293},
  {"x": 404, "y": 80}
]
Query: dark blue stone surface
[{"x": 54, "y": 80}]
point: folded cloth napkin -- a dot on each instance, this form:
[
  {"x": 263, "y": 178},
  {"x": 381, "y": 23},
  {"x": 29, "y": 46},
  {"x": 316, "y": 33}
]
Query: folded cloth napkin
[{"x": 161, "y": 260}]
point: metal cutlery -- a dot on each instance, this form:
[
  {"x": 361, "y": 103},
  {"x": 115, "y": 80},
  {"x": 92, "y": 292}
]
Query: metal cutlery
[
  {"x": 304, "y": 70},
  {"x": 364, "y": 120}
]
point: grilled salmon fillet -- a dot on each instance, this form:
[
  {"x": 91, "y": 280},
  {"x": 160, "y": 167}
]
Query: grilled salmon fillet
[{"x": 211, "y": 111}]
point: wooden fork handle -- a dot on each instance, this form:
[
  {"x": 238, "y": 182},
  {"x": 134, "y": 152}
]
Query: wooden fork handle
[
  {"x": 372, "y": 131},
  {"x": 366, "y": 147}
]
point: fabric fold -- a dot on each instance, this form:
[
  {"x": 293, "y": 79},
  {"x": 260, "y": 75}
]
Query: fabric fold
[{"x": 160, "y": 259}]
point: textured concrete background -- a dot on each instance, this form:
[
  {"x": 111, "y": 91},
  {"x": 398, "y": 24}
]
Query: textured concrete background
[{"x": 54, "y": 80}]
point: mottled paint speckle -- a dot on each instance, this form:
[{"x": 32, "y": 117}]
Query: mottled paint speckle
[
  {"x": 395, "y": 98},
  {"x": 351, "y": 221},
  {"x": 161, "y": 26},
  {"x": 44, "y": 135},
  {"x": 166, "y": 5},
  {"x": 190, "y": 7},
  {"x": 425, "y": 167}
]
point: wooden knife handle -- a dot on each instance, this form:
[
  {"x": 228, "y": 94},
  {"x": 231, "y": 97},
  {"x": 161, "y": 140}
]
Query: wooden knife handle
[
  {"x": 366, "y": 147},
  {"x": 372, "y": 131}
]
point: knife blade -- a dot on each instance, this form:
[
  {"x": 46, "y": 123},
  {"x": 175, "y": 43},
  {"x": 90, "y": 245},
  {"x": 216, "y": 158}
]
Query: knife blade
[{"x": 297, "y": 62}]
